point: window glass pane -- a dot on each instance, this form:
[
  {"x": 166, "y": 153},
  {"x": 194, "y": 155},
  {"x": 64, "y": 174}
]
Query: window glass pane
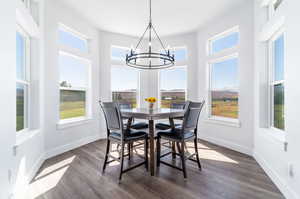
[
  {"x": 279, "y": 106},
  {"x": 279, "y": 58},
  {"x": 118, "y": 53},
  {"x": 21, "y": 94},
  {"x": 72, "y": 40},
  {"x": 73, "y": 71},
  {"x": 180, "y": 54},
  {"x": 224, "y": 94},
  {"x": 224, "y": 103},
  {"x": 124, "y": 84},
  {"x": 226, "y": 42},
  {"x": 225, "y": 74},
  {"x": 72, "y": 104},
  {"x": 20, "y": 56},
  {"x": 172, "y": 86}
]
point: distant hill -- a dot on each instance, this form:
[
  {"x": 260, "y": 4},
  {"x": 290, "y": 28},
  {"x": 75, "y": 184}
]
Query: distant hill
[{"x": 224, "y": 94}]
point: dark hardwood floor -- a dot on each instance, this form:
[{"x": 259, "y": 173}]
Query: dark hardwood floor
[{"x": 226, "y": 174}]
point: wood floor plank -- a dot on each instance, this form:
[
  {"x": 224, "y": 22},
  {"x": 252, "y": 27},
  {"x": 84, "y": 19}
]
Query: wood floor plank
[{"x": 226, "y": 174}]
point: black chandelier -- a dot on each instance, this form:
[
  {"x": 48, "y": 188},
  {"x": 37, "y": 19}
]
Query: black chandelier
[{"x": 150, "y": 60}]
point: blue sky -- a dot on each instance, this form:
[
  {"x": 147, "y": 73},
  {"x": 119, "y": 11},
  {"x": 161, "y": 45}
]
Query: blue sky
[
  {"x": 123, "y": 78},
  {"x": 225, "y": 42},
  {"x": 225, "y": 74},
  {"x": 71, "y": 40},
  {"x": 173, "y": 78},
  {"x": 279, "y": 58},
  {"x": 20, "y": 55},
  {"x": 73, "y": 70}
]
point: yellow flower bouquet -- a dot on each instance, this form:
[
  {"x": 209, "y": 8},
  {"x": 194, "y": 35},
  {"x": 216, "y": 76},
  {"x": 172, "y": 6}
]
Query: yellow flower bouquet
[{"x": 151, "y": 101}]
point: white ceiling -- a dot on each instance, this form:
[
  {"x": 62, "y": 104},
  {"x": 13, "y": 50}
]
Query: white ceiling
[{"x": 170, "y": 17}]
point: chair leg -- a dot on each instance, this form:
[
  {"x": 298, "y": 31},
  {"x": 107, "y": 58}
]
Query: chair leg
[
  {"x": 173, "y": 150},
  {"x": 106, "y": 154},
  {"x": 197, "y": 154},
  {"x": 178, "y": 147},
  {"x": 158, "y": 151},
  {"x": 129, "y": 150},
  {"x": 183, "y": 159},
  {"x": 146, "y": 153},
  {"x": 122, "y": 160}
]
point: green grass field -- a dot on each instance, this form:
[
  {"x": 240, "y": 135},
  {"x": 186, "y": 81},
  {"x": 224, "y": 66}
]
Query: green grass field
[
  {"x": 20, "y": 114},
  {"x": 72, "y": 109},
  {"x": 225, "y": 108},
  {"x": 171, "y": 97},
  {"x": 278, "y": 116},
  {"x": 72, "y": 104}
]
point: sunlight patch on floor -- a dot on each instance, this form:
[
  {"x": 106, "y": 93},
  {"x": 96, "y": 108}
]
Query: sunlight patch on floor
[
  {"x": 210, "y": 154},
  {"x": 49, "y": 177}
]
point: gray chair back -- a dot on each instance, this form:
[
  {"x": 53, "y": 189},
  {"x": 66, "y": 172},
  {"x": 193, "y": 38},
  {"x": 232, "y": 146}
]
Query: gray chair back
[
  {"x": 191, "y": 116},
  {"x": 113, "y": 117},
  {"x": 177, "y": 105},
  {"x": 123, "y": 105}
]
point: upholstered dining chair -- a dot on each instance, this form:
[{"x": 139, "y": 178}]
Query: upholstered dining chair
[
  {"x": 116, "y": 133},
  {"x": 187, "y": 132},
  {"x": 173, "y": 105},
  {"x": 134, "y": 125}
]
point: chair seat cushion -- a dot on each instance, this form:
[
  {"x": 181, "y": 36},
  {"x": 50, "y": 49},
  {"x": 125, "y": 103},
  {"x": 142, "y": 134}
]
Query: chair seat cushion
[
  {"x": 164, "y": 126},
  {"x": 175, "y": 134},
  {"x": 130, "y": 135},
  {"x": 139, "y": 125}
]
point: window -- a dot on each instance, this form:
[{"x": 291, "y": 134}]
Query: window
[
  {"x": 74, "y": 77},
  {"x": 223, "y": 84},
  {"x": 72, "y": 39},
  {"x": 22, "y": 79},
  {"x": 226, "y": 40},
  {"x": 119, "y": 53},
  {"x": 224, "y": 88},
  {"x": 277, "y": 81},
  {"x": 180, "y": 54},
  {"x": 172, "y": 86},
  {"x": 124, "y": 85}
]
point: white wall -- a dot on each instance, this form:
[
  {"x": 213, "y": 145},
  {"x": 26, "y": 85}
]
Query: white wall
[
  {"x": 240, "y": 139},
  {"x": 29, "y": 146},
  {"x": 268, "y": 148},
  {"x": 7, "y": 89},
  {"x": 58, "y": 141}
]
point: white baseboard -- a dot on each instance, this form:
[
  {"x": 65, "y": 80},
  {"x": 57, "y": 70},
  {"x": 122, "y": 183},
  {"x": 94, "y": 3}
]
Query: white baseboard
[
  {"x": 67, "y": 147},
  {"x": 37, "y": 165},
  {"x": 227, "y": 144},
  {"x": 281, "y": 184}
]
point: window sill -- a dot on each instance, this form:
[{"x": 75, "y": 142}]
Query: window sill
[
  {"x": 25, "y": 135},
  {"x": 224, "y": 121},
  {"x": 276, "y": 134},
  {"x": 68, "y": 123}
]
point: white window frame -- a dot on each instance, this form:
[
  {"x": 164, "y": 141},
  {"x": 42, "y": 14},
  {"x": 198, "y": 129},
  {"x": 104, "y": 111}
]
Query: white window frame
[
  {"x": 77, "y": 34},
  {"x": 226, "y": 33},
  {"x": 26, "y": 82},
  {"x": 209, "y": 97},
  {"x": 85, "y": 56},
  {"x": 159, "y": 79},
  {"x": 272, "y": 82},
  {"x": 138, "y": 83}
]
